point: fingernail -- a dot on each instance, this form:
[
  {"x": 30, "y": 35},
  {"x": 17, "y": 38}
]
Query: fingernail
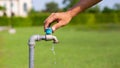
[{"x": 53, "y": 28}]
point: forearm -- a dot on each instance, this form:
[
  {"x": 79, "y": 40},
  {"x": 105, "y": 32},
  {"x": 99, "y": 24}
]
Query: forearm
[{"x": 81, "y": 6}]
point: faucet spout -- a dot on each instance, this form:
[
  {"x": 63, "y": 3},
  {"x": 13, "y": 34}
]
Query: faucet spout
[
  {"x": 35, "y": 38},
  {"x": 51, "y": 37}
]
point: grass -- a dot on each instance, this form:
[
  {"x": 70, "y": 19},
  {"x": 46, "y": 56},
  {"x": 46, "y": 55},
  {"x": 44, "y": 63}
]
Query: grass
[{"x": 77, "y": 49}]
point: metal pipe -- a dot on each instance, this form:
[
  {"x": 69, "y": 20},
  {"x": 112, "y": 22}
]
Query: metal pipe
[
  {"x": 31, "y": 56},
  {"x": 31, "y": 44}
]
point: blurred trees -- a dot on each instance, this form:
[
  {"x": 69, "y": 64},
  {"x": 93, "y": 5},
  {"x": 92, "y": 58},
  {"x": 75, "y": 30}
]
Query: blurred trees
[
  {"x": 107, "y": 10},
  {"x": 2, "y": 8},
  {"x": 94, "y": 9},
  {"x": 51, "y": 7},
  {"x": 69, "y": 3},
  {"x": 117, "y": 7},
  {"x": 91, "y": 17}
]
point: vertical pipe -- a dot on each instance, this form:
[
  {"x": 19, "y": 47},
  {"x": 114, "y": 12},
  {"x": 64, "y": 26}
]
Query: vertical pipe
[{"x": 31, "y": 56}]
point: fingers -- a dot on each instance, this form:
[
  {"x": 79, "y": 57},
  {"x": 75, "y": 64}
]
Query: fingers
[
  {"x": 58, "y": 25},
  {"x": 49, "y": 20},
  {"x": 60, "y": 18}
]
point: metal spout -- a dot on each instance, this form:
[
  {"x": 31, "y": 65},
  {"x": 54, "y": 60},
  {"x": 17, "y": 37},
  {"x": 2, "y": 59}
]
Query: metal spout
[
  {"x": 35, "y": 38},
  {"x": 51, "y": 37}
]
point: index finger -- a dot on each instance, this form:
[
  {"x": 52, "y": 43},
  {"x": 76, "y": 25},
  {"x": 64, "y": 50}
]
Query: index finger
[{"x": 48, "y": 21}]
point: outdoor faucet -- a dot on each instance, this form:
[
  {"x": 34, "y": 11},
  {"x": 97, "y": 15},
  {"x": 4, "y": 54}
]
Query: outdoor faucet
[
  {"x": 35, "y": 38},
  {"x": 47, "y": 37}
]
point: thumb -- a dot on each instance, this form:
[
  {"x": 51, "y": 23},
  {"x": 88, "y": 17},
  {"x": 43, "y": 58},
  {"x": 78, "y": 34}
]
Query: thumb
[{"x": 58, "y": 25}]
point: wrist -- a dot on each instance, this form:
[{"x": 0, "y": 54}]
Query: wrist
[
  {"x": 70, "y": 12},
  {"x": 74, "y": 11}
]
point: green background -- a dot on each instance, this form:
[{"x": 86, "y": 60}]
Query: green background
[{"x": 76, "y": 49}]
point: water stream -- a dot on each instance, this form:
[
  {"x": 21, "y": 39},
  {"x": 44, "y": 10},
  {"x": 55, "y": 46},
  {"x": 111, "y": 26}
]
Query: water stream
[{"x": 53, "y": 51}]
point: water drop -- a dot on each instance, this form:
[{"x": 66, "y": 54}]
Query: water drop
[{"x": 53, "y": 51}]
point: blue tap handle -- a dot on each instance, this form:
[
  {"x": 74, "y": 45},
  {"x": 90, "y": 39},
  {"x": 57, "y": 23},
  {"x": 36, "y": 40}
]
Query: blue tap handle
[{"x": 48, "y": 31}]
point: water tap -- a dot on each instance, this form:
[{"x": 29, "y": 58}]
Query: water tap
[{"x": 47, "y": 37}]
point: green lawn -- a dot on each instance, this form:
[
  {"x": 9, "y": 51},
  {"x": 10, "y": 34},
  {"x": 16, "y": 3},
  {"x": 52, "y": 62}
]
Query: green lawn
[{"x": 77, "y": 49}]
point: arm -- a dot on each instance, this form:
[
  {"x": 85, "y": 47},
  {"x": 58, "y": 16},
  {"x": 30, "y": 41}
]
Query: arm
[
  {"x": 63, "y": 18},
  {"x": 81, "y": 6}
]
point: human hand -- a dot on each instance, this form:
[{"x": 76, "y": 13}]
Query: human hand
[{"x": 62, "y": 19}]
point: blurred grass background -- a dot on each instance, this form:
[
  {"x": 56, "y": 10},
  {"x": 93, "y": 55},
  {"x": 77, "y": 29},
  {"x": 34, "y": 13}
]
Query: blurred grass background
[
  {"x": 91, "y": 40},
  {"x": 1, "y": 51},
  {"x": 77, "y": 49}
]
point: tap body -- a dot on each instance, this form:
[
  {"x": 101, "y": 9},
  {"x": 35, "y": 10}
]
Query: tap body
[
  {"x": 47, "y": 37},
  {"x": 35, "y": 38},
  {"x": 31, "y": 44}
]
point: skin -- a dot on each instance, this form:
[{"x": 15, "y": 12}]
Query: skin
[{"x": 63, "y": 18}]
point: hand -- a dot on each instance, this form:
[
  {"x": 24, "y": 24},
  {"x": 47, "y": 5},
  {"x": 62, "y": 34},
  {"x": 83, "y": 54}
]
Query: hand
[{"x": 62, "y": 19}]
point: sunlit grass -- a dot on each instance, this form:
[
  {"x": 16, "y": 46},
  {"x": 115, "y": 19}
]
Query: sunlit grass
[{"x": 77, "y": 49}]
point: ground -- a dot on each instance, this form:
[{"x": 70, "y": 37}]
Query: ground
[{"x": 76, "y": 49}]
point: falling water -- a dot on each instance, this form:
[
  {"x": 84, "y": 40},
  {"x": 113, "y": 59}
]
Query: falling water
[{"x": 53, "y": 51}]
